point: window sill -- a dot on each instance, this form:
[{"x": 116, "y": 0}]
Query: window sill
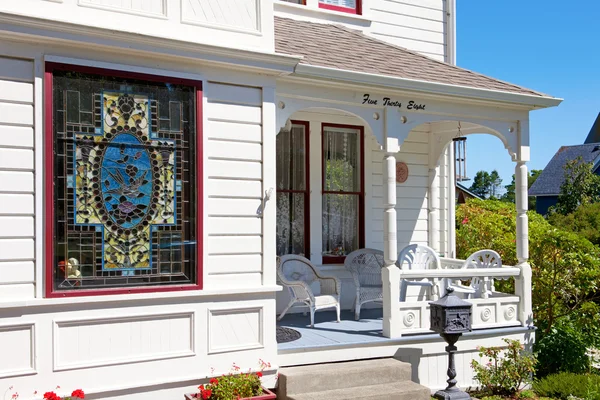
[
  {"x": 321, "y": 12},
  {"x": 139, "y": 297}
]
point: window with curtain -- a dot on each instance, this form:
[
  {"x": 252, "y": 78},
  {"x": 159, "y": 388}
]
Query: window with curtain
[
  {"x": 350, "y": 6},
  {"x": 343, "y": 200},
  {"x": 292, "y": 191}
]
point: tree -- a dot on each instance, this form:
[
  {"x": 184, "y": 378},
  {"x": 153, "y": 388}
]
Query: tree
[
  {"x": 495, "y": 182},
  {"x": 481, "y": 184},
  {"x": 581, "y": 186},
  {"x": 585, "y": 221}
]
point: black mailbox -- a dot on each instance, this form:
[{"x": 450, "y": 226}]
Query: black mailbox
[
  {"x": 450, "y": 314},
  {"x": 450, "y": 317}
]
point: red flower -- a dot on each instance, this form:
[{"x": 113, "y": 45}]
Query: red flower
[
  {"x": 201, "y": 387},
  {"x": 78, "y": 393},
  {"x": 51, "y": 396},
  {"x": 465, "y": 221},
  {"x": 259, "y": 374},
  {"x": 206, "y": 394},
  {"x": 214, "y": 381}
]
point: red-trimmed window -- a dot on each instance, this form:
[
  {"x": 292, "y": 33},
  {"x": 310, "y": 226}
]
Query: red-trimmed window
[
  {"x": 343, "y": 191},
  {"x": 348, "y": 6},
  {"x": 123, "y": 182},
  {"x": 293, "y": 233}
]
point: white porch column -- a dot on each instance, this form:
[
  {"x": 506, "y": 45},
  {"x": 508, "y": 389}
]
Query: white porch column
[
  {"x": 434, "y": 207},
  {"x": 523, "y": 282},
  {"x": 390, "y": 273}
]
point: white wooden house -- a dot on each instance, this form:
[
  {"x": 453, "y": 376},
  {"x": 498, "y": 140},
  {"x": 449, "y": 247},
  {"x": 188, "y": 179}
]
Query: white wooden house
[{"x": 139, "y": 189}]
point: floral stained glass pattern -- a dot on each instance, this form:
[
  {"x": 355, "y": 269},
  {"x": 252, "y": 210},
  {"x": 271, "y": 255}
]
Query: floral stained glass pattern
[
  {"x": 124, "y": 164},
  {"x": 125, "y": 181}
]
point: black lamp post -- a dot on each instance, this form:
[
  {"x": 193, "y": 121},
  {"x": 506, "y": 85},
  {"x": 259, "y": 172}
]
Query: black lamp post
[{"x": 451, "y": 317}]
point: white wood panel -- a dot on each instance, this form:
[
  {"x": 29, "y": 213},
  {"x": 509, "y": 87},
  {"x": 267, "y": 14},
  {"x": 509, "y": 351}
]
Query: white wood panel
[
  {"x": 16, "y": 204},
  {"x": 411, "y": 181},
  {"x": 16, "y": 271},
  {"x": 233, "y": 207},
  {"x": 414, "y": 169},
  {"x": 16, "y": 158},
  {"x": 17, "y": 291},
  {"x": 234, "y": 188},
  {"x": 402, "y": 214},
  {"x": 234, "y": 280},
  {"x": 394, "y": 31},
  {"x": 435, "y": 4},
  {"x": 234, "y": 264},
  {"x": 234, "y": 113},
  {"x": 402, "y": 192},
  {"x": 224, "y": 93},
  {"x": 16, "y": 91},
  {"x": 233, "y": 226},
  {"x": 402, "y": 223},
  {"x": 11, "y": 113},
  {"x": 236, "y": 14},
  {"x": 17, "y": 345},
  {"x": 234, "y": 169},
  {"x": 235, "y": 329},
  {"x": 413, "y": 10},
  {"x": 95, "y": 342},
  {"x": 16, "y": 69},
  {"x": 146, "y": 8},
  {"x": 16, "y": 249},
  {"x": 382, "y": 15},
  {"x": 414, "y": 147},
  {"x": 16, "y": 136},
  {"x": 16, "y": 226},
  {"x": 233, "y": 131},
  {"x": 234, "y": 244},
  {"x": 234, "y": 150},
  {"x": 416, "y": 45},
  {"x": 16, "y": 181}
]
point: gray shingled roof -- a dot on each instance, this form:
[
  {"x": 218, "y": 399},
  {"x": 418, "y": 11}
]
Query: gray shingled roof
[
  {"x": 334, "y": 46},
  {"x": 553, "y": 176},
  {"x": 594, "y": 135}
]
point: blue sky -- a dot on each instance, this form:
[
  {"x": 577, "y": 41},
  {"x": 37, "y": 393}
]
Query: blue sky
[{"x": 551, "y": 46}]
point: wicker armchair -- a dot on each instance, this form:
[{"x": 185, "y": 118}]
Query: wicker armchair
[
  {"x": 365, "y": 266},
  {"x": 419, "y": 257},
  {"x": 298, "y": 274},
  {"x": 481, "y": 286}
]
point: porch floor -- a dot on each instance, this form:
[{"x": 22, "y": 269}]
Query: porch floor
[{"x": 327, "y": 332}]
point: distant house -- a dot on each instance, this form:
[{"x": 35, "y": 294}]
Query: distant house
[
  {"x": 546, "y": 188},
  {"x": 463, "y": 193},
  {"x": 594, "y": 135}
]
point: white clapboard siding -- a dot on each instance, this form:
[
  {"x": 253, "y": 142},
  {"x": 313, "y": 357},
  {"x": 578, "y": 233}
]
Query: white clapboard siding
[
  {"x": 411, "y": 196},
  {"x": 234, "y": 187},
  {"x": 413, "y": 24},
  {"x": 17, "y": 222}
]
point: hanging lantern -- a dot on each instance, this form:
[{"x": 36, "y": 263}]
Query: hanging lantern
[{"x": 460, "y": 156}]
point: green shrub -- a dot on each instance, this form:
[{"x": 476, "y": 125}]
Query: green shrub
[
  {"x": 566, "y": 384},
  {"x": 525, "y": 394},
  {"x": 563, "y": 349},
  {"x": 507, "y": 369},
  {"x": 585, "y": 221}
]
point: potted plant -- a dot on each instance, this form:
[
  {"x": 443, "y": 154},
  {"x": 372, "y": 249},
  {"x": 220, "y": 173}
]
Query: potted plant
[
  {"x": 236, "y": 385},
  {"x": 75, "y": 395}
]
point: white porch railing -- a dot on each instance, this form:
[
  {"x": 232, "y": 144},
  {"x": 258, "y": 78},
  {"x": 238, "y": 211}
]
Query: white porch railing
[{"x": 498, "y": 310}]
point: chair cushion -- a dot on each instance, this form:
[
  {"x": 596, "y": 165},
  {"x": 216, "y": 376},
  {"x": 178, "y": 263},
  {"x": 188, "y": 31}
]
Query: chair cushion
[{"x": 324, "y": 300}]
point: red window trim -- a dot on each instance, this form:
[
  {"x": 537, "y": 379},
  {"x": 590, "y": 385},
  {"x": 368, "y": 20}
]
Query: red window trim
[
  {"x": 361, "y": 193},
  {"x": 357, "y": 10},
  {"x": 49, "y": 181},
  {"x": 306, "y": 190}
]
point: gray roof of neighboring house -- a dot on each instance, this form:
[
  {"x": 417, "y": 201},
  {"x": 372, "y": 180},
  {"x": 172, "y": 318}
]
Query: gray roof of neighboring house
[
  {"x": 335, "y": 46},
  {"x": 467, "y": 190},
  {"x": 553, "y": 176},
  {"x": 594, "y": 135}
]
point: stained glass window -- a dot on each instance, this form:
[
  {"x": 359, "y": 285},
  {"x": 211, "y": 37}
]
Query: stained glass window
[{"x": 124, "y": 182}]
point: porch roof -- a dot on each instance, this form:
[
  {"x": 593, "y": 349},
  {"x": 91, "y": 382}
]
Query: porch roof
[{"x": 337, "y": 47}]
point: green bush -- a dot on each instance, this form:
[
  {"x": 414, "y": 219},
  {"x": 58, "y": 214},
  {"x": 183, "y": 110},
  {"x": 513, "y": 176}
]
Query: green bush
[
  {"x": 585, "y": 221},
  {"x": 507, "y": 369},
  {"x": 565, "y": 266},
  {"x": 563, "y": 349},
  {"x": 566, "y": 384}
]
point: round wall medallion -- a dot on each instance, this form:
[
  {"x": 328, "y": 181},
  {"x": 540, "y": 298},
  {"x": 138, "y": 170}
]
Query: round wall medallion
[
  {"x": 486, "y": 314},
  {"x": 401, "y": 172},
  {"x": 409, "y": 319},
  {"x": 510, "y": 313}
]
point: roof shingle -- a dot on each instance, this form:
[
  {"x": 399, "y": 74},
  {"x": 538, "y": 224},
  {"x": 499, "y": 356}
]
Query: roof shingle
[
  {"x": 553, "y": 176},
  {"x": 338, "y": 47}
]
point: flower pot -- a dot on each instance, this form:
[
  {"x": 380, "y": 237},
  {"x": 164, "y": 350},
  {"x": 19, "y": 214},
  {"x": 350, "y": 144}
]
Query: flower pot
[{"x": 267, "y": 395}]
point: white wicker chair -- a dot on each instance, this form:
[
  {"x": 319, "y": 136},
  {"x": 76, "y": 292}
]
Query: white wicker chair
[
  {"x": 365, "y": 266},
  {"x": 297, "y": 274},
  {"x": 419, "y": 257},
  {"x": 481, "y": 286}
]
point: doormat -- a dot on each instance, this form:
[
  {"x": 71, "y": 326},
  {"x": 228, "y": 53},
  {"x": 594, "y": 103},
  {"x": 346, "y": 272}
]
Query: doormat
[{"x": 285, "y": 335}]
